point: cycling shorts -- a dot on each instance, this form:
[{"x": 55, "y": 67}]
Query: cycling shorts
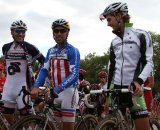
[
  {"x": 126, "y": 100},
  {"x": 67, "y": 101}
]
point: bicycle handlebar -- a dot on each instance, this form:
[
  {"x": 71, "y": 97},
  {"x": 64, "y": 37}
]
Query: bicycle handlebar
[
  {"x": 86, "y": 101},
  {"x": 116, "y": 91}
]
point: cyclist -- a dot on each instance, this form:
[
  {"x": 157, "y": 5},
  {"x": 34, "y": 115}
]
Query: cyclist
[
  {"x": 102, "y": 75},
  {"x": 84, "y": 85},
  {"x": 64, "y": 60},
  {"x": 130, "y": 60},
  {"x": 17, "y": 54},
  {"x": 103, "y": 79}
]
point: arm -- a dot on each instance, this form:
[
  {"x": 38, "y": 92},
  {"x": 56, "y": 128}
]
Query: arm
[
  {"x": 146, "y": 50},
  {"x": 111, "y": 66},
  {"x": 35, "y": 53}
]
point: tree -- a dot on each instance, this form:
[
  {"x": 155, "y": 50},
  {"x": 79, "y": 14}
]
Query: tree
[
  {"x": 156, "y": 59},
  {"x": 93, "y": 64}
]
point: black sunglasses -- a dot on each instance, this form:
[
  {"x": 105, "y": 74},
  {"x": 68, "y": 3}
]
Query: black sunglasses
[
  {"x": 60, "y": 30},
  {"x": 20, "y": 30}
]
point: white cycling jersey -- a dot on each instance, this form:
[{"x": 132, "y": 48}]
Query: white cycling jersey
[
  {"x": 130, "y": 57},
  {"x": 16, "y": 66}
]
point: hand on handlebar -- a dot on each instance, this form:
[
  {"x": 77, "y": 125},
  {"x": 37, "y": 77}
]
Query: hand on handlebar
[
  {"x": 34, "y": 93},
  {"x": 138, "y": 89}
]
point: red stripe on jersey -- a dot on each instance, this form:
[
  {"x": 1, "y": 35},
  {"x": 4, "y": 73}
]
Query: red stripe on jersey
[
  {"x": 59, "y": 72},
  {"x": 66, "y": 65},
  {"x": 52, "y": 70}
]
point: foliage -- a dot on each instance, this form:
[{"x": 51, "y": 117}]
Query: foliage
[
  {"x": 156, "y": 59},
  {"x": 93, "y": 64}
]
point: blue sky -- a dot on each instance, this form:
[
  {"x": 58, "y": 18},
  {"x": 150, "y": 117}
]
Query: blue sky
[{"x": 87, "y": 33}]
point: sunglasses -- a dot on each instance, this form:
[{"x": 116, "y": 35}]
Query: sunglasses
[
  {"x": 0, "y": 69},
  {"x": 60, "y": 30},
  {"x": 20, "y": 31}
]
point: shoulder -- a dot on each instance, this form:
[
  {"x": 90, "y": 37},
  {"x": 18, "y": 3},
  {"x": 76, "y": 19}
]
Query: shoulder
[
  {"x": 6, "y": 47},
  {"x": 140, "y": 32},
  {"x": 71, "y": 48},
  {"x": 29, "y": 45}
]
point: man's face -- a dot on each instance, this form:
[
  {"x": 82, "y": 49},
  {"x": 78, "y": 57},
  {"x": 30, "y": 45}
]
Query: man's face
[
  {"x": 18, "y": 35},
  {"x": 60, "y": 34},
  {"x": 113, "y": 22}
]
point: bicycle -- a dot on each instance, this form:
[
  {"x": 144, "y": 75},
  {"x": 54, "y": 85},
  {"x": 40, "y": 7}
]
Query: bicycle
[
  {"x": 4, "y": 125},
  {"x": 45, "y": 120},
  {"x": 154, "y": 115},
  {"x": 115, "y": 120},
  {"x": 84, "y": 121}
]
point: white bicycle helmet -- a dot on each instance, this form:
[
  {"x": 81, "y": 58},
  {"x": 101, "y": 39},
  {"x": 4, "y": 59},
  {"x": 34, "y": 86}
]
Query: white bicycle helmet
[
  {"x": 115, "y": 7},
  {"x": 18, "y": 24},
  {"x": 61, "y": 22}
]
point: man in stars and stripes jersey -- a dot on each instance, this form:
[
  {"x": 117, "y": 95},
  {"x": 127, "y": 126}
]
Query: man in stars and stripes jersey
[{"x": 62, "y": 62}]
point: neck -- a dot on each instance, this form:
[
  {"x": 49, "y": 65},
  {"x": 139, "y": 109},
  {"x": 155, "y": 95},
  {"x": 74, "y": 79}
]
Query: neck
[
  {"x": 61, "y": 45},
  {"x": 17, "y": 44}
]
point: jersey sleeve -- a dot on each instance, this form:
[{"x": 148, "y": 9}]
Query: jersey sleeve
[
  {"x": 35, "y": 53},
  {"x": 146, "y": 56}
]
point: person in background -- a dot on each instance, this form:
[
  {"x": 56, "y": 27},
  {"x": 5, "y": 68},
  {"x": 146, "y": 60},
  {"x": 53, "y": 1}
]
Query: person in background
[
  {"x": 2, "y": 78},
  {"x": 148, "y": 93},
  {"x": 84, "y": 85},
  {"x": 131, "y": 60},
  {"x": 63, "y": 61},
  {"x": 103, "y": 79}
]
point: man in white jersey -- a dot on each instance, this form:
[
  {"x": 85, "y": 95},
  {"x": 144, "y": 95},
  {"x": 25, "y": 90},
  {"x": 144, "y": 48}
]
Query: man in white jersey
[
  {"x": 63, "y": 60},
  {"x": 130, "y": 60},
  {"x": 18, "y": 57}
]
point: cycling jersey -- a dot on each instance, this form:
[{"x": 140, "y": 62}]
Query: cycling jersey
[
  {"x": 130, "y": 57},
  {"x": 64, "y": 65},
  {"x": 16, "y": 67}
]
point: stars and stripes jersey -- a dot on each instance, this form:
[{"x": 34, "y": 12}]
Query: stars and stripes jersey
[{"x": 63, "y": 65}]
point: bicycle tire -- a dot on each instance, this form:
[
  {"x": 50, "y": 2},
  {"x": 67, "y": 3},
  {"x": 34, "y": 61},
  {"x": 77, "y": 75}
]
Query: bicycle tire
[
  {"x": 121, "y": 124},
  {"x": 106, "y": 124},
  {"x": 154, "y": 124},
  {"x": 2, "y": 124},
  {"x": 37, "y": 122},
  {"x": 90, "y": 121}
]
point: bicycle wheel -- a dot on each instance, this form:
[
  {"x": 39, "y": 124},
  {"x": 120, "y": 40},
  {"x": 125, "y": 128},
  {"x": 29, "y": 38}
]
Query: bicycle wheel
[
  {"x": 35, "y": 122},
  {"x": 154, "y": 124},
  {"x": 89, "y": 121},
  {"x": 107, "y": 124},
  {"x": 2, "y": 124}
]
